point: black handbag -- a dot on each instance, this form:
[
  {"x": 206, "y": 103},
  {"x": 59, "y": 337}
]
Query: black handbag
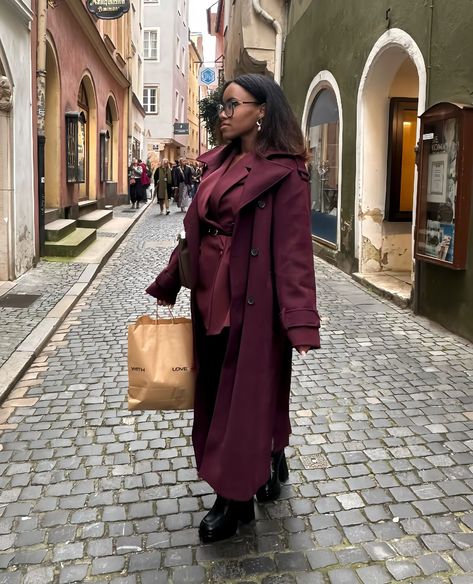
[{"x": 184, "y": 260}]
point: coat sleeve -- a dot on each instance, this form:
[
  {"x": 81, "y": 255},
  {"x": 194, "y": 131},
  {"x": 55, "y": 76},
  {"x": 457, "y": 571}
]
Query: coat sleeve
[
  {"x": 167, "y": 284},
  {"x": 293, "y": 260}
]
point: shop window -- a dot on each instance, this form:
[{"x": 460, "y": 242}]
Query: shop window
[
  {"x": 75, "y": 146},
  {"x": 104, "y": 155},
  {"x": 401, "y": 159},
  {"x": 324, "y": 165}
]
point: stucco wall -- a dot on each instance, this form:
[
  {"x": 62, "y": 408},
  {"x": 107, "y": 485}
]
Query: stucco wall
[
  {"x": 77, "y": 56},
  {"x": 325, "y": 35},
  {"x": 16, "y": 190}
]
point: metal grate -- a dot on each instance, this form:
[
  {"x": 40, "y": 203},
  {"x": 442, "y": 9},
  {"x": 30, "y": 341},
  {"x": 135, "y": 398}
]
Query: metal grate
[{"x": 18, "y": 300}]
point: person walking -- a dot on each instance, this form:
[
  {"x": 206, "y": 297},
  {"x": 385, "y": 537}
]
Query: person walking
[
  {"x": 253, "y": 298},
  {"x": 163, "y": 185},
  {"x": 183, "y": 178},
  {"x": 134, "y": 180},
  {"x": 145, "y": 180}
]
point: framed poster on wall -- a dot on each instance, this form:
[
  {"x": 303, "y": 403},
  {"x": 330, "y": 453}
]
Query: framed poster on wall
[{"x": 438, "y": 176}]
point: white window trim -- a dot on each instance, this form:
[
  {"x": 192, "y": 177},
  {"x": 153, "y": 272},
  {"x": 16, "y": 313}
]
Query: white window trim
[
  {"x": 321, "y": 81},
  {"x": 158, "y": 44},
  {"x": 176, "y": 107},
  {"x": 156, "y": 87}
]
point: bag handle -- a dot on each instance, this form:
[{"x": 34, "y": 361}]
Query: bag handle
[{"x": 157, "y": 313}]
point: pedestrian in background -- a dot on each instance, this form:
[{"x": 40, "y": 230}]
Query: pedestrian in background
[
  {"x": 163, "y": 185},
  {"x": 196, "y": 176},
  {"x": 183, "y": 177},
  {"x": 145, "y": 180},
  {"x": 252, "y": 298},
  {"x": 134, "y": 180}
]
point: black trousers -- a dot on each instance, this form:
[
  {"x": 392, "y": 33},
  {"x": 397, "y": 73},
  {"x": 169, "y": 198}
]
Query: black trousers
[{"x": 211, "y": 353}]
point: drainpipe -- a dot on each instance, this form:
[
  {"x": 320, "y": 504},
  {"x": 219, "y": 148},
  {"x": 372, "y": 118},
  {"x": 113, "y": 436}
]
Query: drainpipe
[
  {"x": 417, "y": 263},
  {"x": 41, "y": 115},
  {"x": 277, "y": 27}
]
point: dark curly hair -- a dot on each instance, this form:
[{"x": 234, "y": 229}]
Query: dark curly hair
[{"x": 280, "y": 129}]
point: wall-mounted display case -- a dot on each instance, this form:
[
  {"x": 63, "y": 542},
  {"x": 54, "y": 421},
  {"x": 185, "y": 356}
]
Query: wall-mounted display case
[{"x": 445, "y": 184}]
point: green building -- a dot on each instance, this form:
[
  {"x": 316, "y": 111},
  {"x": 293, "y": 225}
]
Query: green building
[{"x": 358, "y": 74}]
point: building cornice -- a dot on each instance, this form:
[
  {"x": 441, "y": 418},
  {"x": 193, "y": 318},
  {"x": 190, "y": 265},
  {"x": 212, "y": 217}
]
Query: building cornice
[
  {"x": 137, "y": 104},
  {"x": 86, "y": 21},
  {"x": 22, "y": 9}
]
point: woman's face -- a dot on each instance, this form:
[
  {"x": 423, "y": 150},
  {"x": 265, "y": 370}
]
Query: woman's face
[{"x": 243, "y": 121}]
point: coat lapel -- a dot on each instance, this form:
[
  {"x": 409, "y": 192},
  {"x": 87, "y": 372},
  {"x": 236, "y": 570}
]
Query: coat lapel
[
  {"x": 264, "y": 172},
  {"x": 263, "y": 175}
]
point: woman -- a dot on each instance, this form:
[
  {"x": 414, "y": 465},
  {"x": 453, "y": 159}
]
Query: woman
[
  {"x": 134, "y": 178},
  {"x": 163, "y": 184},
  {"x": 183, "y": 182},
  {"x": 253, "y": 298}
]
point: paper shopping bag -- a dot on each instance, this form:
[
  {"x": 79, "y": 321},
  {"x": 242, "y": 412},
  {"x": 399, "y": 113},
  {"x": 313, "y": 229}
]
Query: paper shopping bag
[{"x": 161, "y": 373}]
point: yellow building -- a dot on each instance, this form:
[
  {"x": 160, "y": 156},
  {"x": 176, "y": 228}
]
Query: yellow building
[{"x": 195, "y": 61}]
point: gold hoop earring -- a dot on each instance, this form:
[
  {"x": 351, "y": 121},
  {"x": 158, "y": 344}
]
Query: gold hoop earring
[{"x": 259, "y": 124}]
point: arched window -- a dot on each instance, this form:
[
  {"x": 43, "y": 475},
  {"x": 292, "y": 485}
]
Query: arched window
[
  {"x": 323, "y": 137},
  {"x": 109, "y": 143},
  {"x": 82, "y": 139}
]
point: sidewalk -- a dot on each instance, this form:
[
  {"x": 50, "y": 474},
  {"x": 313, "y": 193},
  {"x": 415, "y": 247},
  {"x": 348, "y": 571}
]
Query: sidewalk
[{"x": 39, "y": 301}]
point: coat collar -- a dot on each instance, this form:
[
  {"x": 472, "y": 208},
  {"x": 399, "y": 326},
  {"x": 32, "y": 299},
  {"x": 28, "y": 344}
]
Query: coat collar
[{"x": 264, "y": 172}]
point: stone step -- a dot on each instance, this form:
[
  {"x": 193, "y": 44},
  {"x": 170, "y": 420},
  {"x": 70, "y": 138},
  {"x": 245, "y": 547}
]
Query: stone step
[
  {"x": 86, "y": 207},
  {"x": 51, "y": 215},
  {"x": 71, "y": 245},
  {"x": 95, "y": 219},
  {"x": 58, "y": 229}
]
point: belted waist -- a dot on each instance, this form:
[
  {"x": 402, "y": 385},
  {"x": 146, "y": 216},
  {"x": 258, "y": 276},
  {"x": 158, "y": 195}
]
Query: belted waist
[{"x": 214, "y": 231}]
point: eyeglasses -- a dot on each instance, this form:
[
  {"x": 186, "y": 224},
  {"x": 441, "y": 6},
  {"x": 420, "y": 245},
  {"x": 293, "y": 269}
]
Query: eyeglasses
[{"x": 229, "y": 106}]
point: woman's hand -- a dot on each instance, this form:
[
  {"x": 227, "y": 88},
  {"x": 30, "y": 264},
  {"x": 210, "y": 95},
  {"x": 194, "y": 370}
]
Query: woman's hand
[
  {"x": 302, "y": 350},
  {"x": 163, "y": 303}
]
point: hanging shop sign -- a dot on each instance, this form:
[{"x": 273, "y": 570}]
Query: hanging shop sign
[
  {"x": 181, "y": 129},
  {"x": 108, "y": 9}
]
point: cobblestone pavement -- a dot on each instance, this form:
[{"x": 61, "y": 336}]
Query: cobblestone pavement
[
  {"x": 381, "y": 468},
  {"x": 50, "y": 281}
]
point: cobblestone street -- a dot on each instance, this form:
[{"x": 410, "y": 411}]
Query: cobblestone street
[{"x": 381, "y": 463}]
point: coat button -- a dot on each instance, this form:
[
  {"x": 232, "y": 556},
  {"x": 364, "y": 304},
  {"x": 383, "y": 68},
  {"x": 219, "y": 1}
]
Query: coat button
[
  {"x": 250, "y": 300},
  {"x": 254, "y": 251},
  {"x": 261, "y": 203}
]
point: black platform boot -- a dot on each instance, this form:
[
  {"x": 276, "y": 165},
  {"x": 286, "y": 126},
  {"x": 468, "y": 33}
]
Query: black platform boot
[
  {"x": 222, "y": 520},
  {"x": 271, "y": 490}
]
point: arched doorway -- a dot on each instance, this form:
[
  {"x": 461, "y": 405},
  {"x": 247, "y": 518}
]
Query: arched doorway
[
  {"x": 87, "y": 140},
  {"x": 53, "y": 138},
  {"x": 390, "y": 97},
  {"x": 322, "y": 122}
]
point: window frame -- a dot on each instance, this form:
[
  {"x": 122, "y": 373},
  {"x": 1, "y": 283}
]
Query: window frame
[
  {"x": 157, "y": 30},
  {"x": 145, "y": 103}
]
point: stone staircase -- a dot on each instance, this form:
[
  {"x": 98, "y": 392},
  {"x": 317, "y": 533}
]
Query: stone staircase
[{"x": 69, "y": 237}]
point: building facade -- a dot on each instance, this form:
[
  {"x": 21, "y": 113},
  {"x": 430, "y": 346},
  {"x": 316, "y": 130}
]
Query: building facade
[
  {"x": 358, "y": 81},
  {"x": 195, "y": 62},
  {"x": 17, "y": 191},
  {"x": 253, "y": 36},
  {"x": 165, "y": 91},
  {"x": 87, "y": 108},
  {"x": 136, "y": 128}
]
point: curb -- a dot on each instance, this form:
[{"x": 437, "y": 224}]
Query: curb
[
  {"x": 396, "y": 299},
  {"x": 27, "y": 351}
]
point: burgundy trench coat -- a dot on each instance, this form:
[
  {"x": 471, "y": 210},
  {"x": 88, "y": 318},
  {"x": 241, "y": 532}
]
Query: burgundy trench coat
[{"x": 273, "y": 308}]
